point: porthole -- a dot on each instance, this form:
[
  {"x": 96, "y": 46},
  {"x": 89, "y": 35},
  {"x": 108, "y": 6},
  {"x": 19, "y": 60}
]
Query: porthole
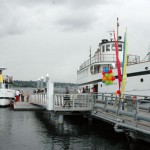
[
  {"x": 141, "y": 80},
  {"x": 146, "y": 68}
]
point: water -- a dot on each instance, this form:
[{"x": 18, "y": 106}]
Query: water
[{"x": 36, "y": 130}]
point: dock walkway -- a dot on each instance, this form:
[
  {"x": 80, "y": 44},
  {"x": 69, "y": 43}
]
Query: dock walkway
[
  {"x": 132, "y": 119},
  {"x": 27, "y": 106}
]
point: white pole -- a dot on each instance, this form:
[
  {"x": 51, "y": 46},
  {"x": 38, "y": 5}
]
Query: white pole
[
  {"x": 50, "y": 92},
  {"x": 38, "y": 83},
  {"x": 47, "y": 78},
  {"x": 41, "y": 85}
]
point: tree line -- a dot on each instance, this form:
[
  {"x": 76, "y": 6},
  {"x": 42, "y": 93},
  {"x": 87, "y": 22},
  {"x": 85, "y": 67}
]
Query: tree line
[{"x": 33, "y": 84}]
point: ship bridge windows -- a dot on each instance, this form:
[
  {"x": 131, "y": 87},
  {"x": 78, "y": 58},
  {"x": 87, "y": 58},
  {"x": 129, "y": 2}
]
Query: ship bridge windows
[
  {"x": 113, "y": 47},
  {"x": 103, "y": 48},
  {"x": 119, "y": 47},
  {"x": 108, "y": 47}
]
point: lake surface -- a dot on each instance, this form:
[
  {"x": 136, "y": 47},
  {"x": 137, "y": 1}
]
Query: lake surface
[{"x": 37, "y": 130}]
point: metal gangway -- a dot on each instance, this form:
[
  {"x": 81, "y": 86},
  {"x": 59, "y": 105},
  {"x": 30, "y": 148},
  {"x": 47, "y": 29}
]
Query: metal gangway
[
  {"x": 130, "y": 114},
  {"x": 61, "y": 102},
  {"x": 64, "y": 102}
]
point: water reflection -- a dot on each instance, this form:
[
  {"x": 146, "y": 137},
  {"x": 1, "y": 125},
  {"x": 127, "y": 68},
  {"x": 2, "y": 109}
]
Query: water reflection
[
  {"x": 22, "y": 130},
  {"x": 78, "y": 132}
]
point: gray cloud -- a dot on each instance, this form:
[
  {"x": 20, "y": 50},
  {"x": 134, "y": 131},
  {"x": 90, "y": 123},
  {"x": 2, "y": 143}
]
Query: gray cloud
[
  {"x": 86, "y": 4},
  {"x": 19, "y": 16},
  {"x": 71, "y": 3},
  {"x": 80, "y": 21},
  {"x": 17, "y": 19},
  {"x": 79, "y": 14}
]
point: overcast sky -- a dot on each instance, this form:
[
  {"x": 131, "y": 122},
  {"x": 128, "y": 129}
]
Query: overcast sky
[{"x": 54, "y": 36}]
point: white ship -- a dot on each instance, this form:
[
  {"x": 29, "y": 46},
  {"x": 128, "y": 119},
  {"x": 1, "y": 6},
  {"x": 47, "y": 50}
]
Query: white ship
[
  {"x": 90, "y": 75},
  {"x": 6, "y": 93}
]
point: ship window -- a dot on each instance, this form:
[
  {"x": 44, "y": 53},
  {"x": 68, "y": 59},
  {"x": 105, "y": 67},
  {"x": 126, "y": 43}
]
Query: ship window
[
  {"x": 120, "y": 47},
  {"x": 113, "y": 47},
  {"x": 107, "y": 47},
  {"x": 103, "y": 48},
  {"x": 142, "y": 80}
]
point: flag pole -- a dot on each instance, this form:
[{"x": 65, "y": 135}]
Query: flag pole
[{"x": 117, "y": 28}]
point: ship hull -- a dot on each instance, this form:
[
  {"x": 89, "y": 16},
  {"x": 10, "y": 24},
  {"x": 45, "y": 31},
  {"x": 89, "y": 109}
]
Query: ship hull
[
  {"x": 137, "y": 83},
  {"x": 6, "y": 96}
]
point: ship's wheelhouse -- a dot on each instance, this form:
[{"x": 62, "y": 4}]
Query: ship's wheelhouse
[{"x": 105, "y": 56}]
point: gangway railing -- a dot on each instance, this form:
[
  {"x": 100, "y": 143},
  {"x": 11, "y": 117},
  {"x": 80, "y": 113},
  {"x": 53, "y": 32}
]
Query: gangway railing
[
  {"x": 39, "y": 99},
  {"x": 64, "y": 102},
  {"x": 75, "y": 102}
]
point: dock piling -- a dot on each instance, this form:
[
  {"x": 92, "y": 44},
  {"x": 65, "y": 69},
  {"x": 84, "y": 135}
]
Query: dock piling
[{"x": 60, "y": 119}]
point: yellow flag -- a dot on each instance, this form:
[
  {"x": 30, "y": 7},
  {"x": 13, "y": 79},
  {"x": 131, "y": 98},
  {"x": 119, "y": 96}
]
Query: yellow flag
[
  {"x": 1, "y": 78},
  {"x": 124, "y": 67}
]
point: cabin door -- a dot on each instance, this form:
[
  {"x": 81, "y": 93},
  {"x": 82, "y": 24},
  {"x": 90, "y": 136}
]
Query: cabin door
[{"x": 96, "y": 87}]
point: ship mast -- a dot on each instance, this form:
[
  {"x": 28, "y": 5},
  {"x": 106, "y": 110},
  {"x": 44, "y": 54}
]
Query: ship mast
[
  {"x": 90, "y": 55},
  {"x": 117, "y": 29}
]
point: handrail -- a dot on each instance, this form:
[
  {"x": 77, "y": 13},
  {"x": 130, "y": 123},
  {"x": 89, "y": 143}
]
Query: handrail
[
  {"x": 38, "y": 99},
  {"x": 132, "y": 59},
  {"x": 96, "y": 59},
  {"x": 72, "y": 101},
  {"x": 109, "y": 108}
]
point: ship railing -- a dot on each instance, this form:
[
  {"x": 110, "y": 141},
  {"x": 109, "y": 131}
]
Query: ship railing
[
  {"x": 127, "y": 99},
  {"x": 78, "y": 102},
  {"x": 133, "y": 59},
  {"x": 128, "y": 111},
  {"x": 98, "y": 59}
]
